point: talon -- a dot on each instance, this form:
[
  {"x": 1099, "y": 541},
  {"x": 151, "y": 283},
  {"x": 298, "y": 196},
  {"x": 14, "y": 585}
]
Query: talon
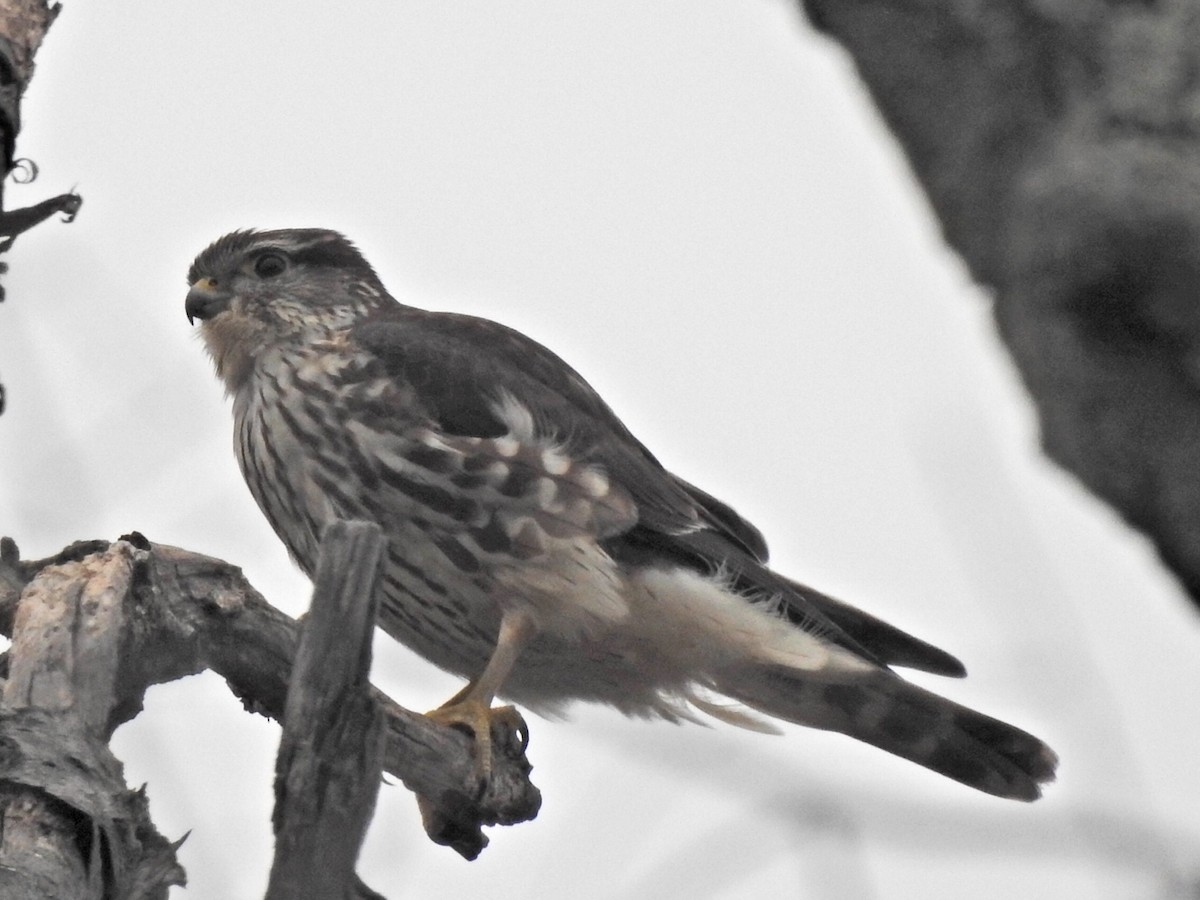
[
  {"x": 479, "y": 720},
  {"x": 515, "y": 730},
  {"x": 471, "y": 708}
]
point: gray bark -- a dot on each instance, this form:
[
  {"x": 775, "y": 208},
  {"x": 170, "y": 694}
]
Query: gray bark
[
  {"x": 71, "y": 828},
  {"x": 99, "y": 623},
  {"x": 331, "y": 753},
  {"x": 1059, "y": 144},
  {"x": 23, "y": 26}
]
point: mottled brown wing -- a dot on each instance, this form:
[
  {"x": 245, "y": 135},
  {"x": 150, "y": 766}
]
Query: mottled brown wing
[{"x": 460, "y": 366}]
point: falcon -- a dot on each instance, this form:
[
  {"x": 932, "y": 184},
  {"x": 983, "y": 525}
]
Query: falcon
[{"x": 534, "y": 546}]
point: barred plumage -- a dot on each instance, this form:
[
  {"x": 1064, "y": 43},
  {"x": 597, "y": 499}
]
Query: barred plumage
[{"x": 534, "y": 545}]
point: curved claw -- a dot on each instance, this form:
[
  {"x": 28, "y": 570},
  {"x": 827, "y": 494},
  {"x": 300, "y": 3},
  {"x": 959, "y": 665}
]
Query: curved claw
[{"x": 480, "y": 720}]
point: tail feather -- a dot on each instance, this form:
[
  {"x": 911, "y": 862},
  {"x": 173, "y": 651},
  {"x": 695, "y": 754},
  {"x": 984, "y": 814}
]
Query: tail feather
[
  {"x": 884, "y": 710},
  {"x": 892, "y": 645}
]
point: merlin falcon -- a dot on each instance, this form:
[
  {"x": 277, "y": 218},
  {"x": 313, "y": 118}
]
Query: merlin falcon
[{"x": 534, "y": 546}]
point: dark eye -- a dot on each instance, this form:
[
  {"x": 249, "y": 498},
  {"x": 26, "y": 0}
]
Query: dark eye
[{"x": 270, "y": 264}]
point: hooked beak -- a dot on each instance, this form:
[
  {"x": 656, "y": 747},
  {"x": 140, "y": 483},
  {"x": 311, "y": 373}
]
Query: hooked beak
[{"x": 205, "y": 300}]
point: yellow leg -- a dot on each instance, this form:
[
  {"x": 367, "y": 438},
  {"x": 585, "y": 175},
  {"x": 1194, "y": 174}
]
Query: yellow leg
[{"x": 472, "y": 706}]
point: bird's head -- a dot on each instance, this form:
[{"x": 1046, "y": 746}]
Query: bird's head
[{"x": 254, "y": 289}]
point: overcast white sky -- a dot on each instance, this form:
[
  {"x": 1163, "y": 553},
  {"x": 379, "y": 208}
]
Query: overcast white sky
[{"x": 695, "y": 204}]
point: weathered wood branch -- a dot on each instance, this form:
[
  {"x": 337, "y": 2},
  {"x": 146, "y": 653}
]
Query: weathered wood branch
[
  {"x": 186, "y": 612},
  {"x": 16, "y": 221},
  {"x": 331, "y": 753},
  {"x": 23, "y": 27},
  {"x": 1059, "y": 144},
  {"x": 70, "y": 827}
]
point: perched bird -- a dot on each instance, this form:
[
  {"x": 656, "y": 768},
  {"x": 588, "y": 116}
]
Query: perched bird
[{"x": 534, "y": 546}]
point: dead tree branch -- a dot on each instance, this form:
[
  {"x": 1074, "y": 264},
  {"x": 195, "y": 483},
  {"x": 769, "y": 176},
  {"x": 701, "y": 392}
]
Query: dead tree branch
[
  {"x": 331, "y": 753},
  {"x": 71, "y": 828},
  {"x": 1059, "y": 144},
  {"x": 184, "y": 612},
  {"x": 23, "y": 27}
]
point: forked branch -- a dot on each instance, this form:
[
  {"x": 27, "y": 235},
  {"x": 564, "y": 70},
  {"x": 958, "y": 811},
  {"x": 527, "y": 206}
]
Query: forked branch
[{"x": 173, "y": 613}]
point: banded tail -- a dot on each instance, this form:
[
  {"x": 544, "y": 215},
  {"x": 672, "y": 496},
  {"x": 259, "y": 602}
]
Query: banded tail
[{"x": 880, "y": 708}]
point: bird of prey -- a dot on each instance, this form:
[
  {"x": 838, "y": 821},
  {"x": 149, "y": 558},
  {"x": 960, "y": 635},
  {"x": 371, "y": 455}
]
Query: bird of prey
[{"x": 534, "y": 546}]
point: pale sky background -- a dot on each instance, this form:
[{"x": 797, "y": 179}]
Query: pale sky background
[{"x": 696, "y": 205}]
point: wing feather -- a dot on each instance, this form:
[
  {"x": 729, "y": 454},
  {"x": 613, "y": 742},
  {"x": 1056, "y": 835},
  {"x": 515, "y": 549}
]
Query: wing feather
[{"x": 463, "y": 368}]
